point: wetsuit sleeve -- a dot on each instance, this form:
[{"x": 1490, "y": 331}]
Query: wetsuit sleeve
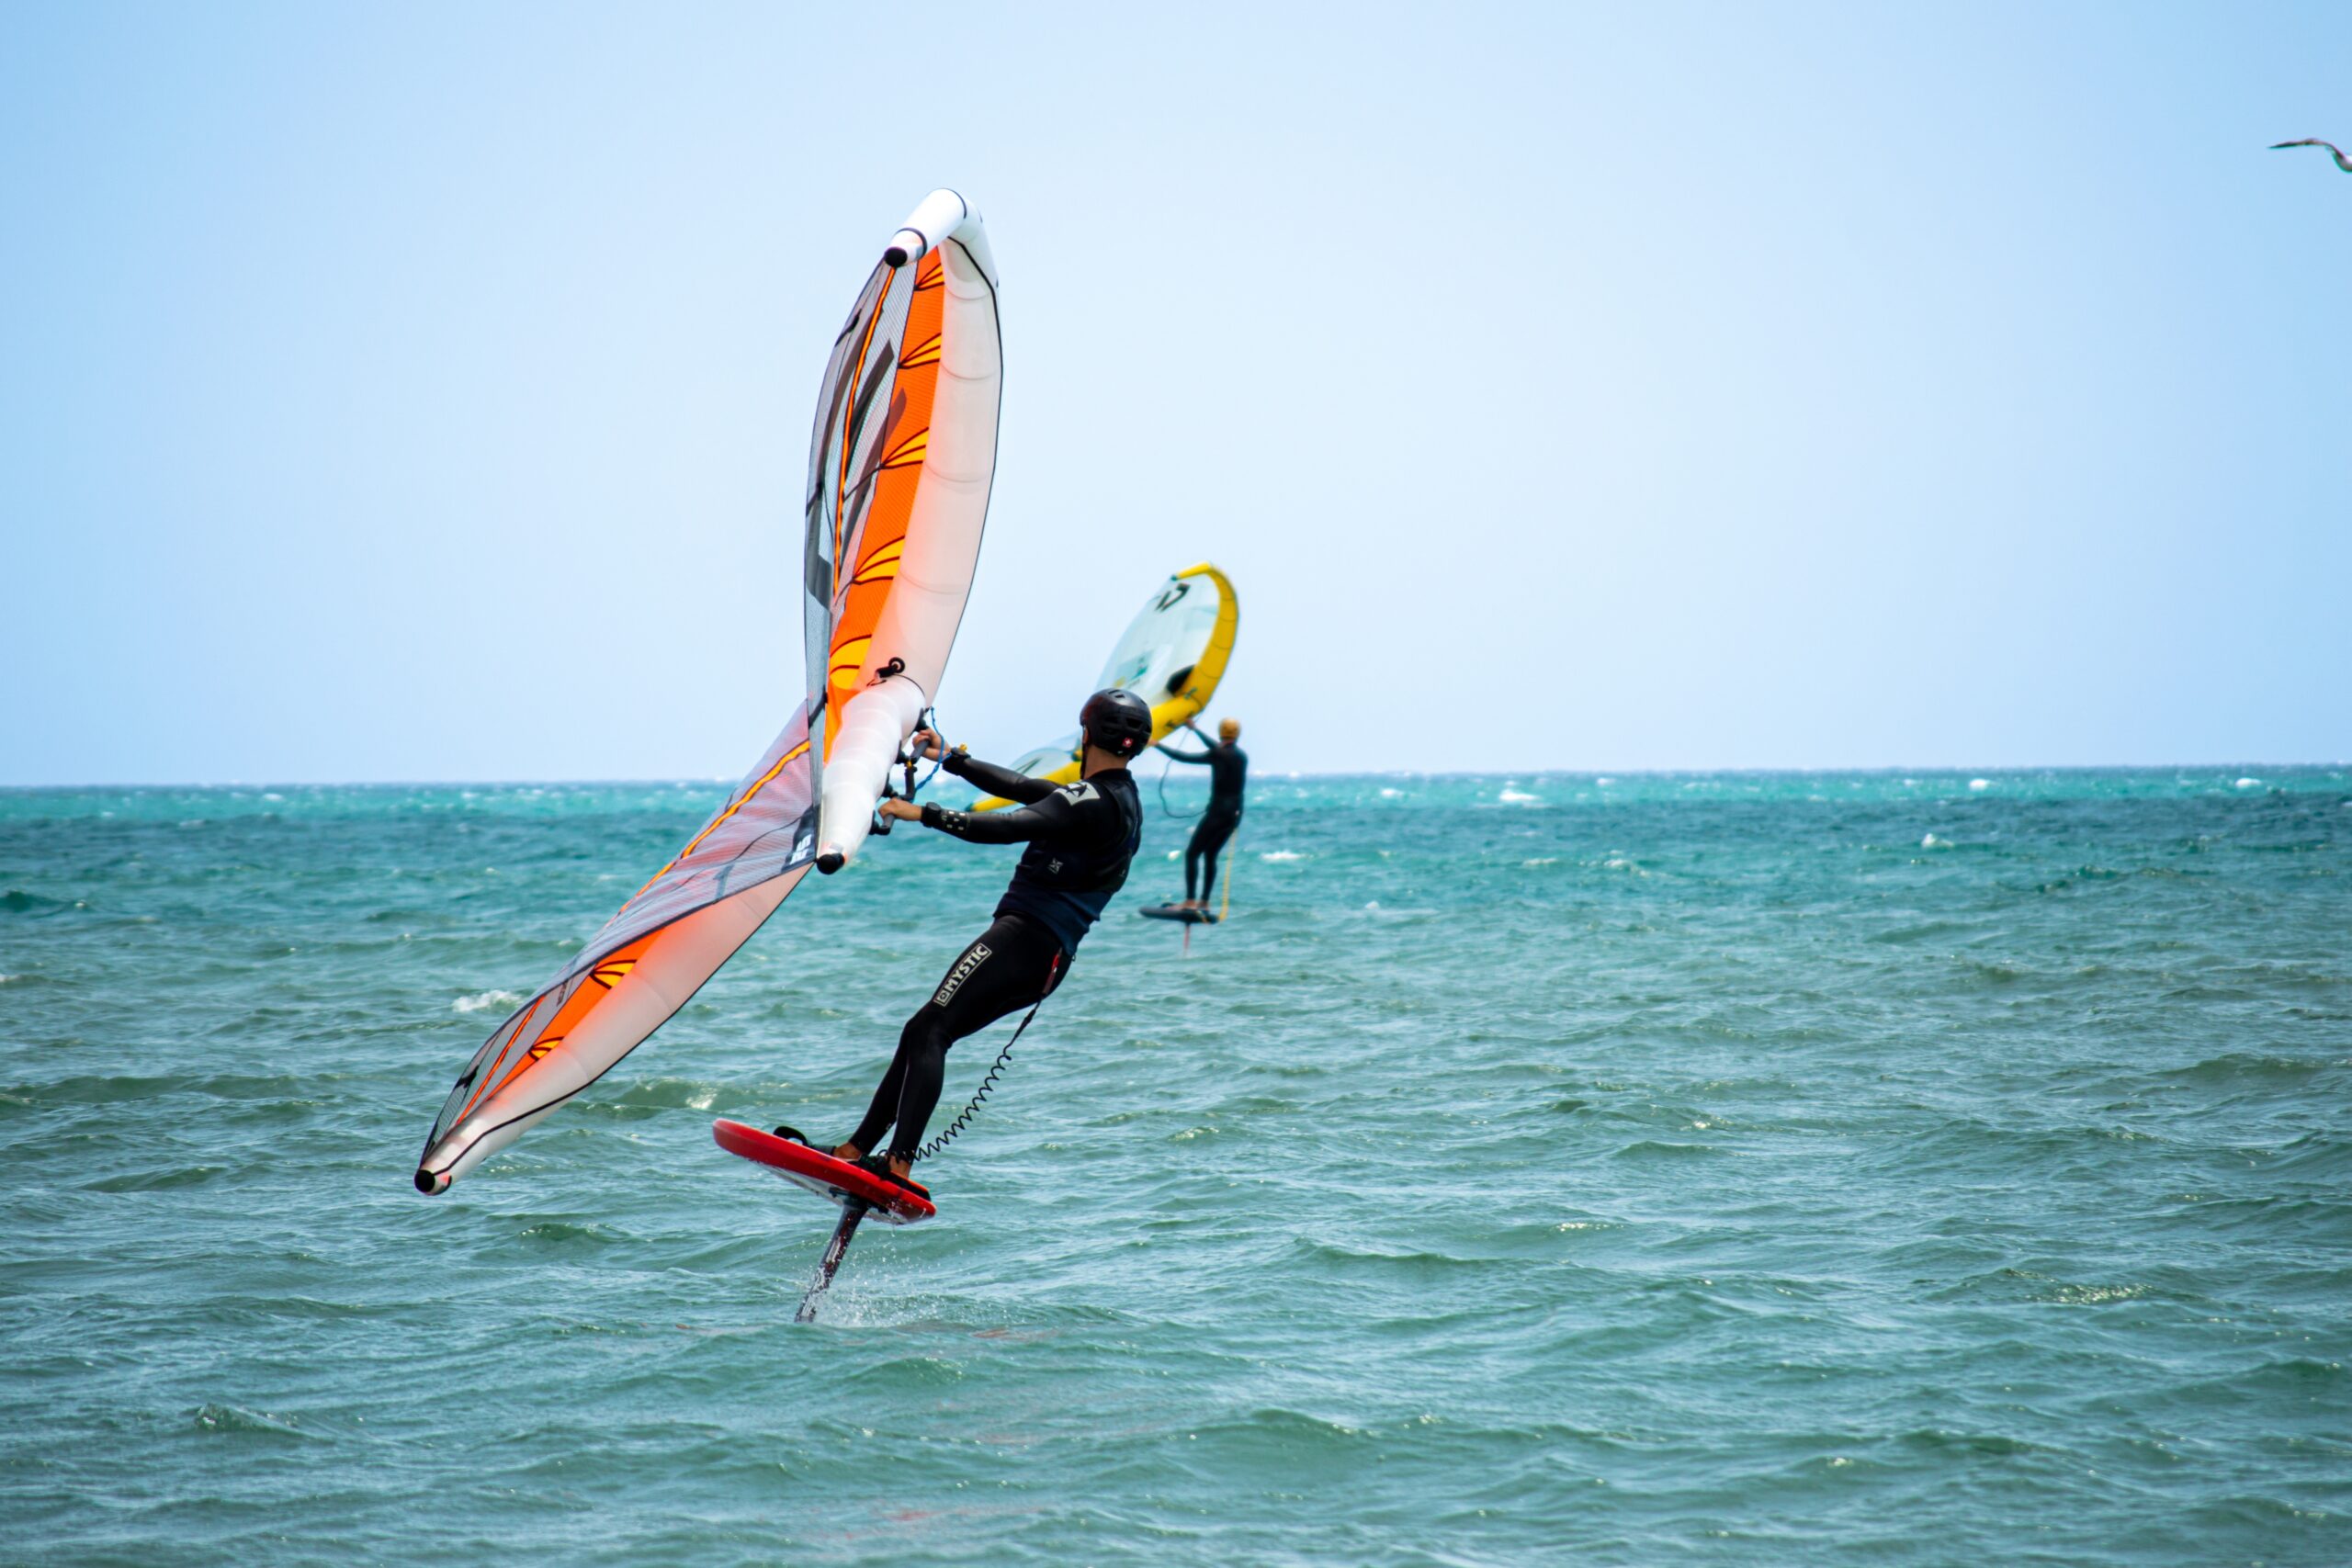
[
  {"x": 1002, "y": 781},
  {"x": 1165, "y": 750},
  {"x": 1059, "y": 815}
]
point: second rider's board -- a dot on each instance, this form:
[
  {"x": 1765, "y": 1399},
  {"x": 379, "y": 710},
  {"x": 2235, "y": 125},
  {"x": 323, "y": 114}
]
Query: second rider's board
[
  {"x": 1177, "y": 912},
  {"x": 822, "y": 1174}
]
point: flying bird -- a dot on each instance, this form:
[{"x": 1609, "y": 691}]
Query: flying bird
[{"x": 2342, "y": 162}]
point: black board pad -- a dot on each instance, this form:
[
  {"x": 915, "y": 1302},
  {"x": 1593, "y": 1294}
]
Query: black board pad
[{"x": 1171, "y": 912}]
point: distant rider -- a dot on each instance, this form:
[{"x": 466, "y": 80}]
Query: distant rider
[
  {"x": 1080, "y": 838},
  {"x": 1229, "y": 767}
]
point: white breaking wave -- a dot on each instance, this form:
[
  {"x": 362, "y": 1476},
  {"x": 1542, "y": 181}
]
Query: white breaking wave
[
  {"x": 1516, "y": 797},
  {"x": 1980, "y": 783},
  {"x": 2249, "y": 784},
  {"x": 481, "y": 999},
  {"x": 1282, "y": 855}
]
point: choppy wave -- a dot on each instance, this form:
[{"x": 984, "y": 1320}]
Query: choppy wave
[
  {"x": 1867, "y": 1168},
  {"x": 502, "y": 1001}
]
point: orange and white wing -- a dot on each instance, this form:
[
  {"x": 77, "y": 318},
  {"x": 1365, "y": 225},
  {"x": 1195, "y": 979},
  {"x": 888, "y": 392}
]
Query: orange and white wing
[
  {"x": 899, "y": 468},
  {"x": 641, "y": 968},
  {"x": 900, "y": 464}
]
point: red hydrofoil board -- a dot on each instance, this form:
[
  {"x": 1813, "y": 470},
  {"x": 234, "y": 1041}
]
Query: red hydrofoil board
[{"x": 822, "y": 1174}]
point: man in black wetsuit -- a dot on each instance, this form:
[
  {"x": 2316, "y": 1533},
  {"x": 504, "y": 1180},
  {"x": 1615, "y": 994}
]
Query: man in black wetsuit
[
  {"x": 1229, "y": 767},
  {"x": 1080, "y": 838}
]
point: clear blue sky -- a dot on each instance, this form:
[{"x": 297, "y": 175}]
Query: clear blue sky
[{"x": 422, "y": 391}]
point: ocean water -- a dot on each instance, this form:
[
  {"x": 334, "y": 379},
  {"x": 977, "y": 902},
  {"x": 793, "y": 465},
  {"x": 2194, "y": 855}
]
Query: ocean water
[{"x": 1820, "y": 1168}]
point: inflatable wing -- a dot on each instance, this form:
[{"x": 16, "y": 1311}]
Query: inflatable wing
[
  {"x": 899, "y": 474},
  {"x": 899, "y": 477},
  {"x": 641, "y": 968},
  {"x": 1173, "y": 656}
]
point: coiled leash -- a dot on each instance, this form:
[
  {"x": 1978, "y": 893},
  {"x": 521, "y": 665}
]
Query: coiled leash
[{"x": 988, "y": 1081}]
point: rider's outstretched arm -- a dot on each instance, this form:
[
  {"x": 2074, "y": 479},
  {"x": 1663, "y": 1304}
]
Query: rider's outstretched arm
[
  {"x": 1068, "y": 809},
  {"x": 1001, "y": 782},
  {"x": 1202, "y": 755}
]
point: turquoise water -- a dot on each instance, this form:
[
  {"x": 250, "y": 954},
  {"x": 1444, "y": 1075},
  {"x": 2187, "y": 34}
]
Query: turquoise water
[{"x": 1820, "y": 1168}]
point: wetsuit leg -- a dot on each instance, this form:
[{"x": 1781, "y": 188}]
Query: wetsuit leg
[
  {"x": 1014, "y": 964},
  {"x": 1208, "y": 838}
]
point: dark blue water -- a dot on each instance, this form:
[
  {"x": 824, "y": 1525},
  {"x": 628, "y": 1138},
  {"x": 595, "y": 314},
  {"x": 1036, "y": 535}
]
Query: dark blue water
[{"x": 1792, "y": 1168}]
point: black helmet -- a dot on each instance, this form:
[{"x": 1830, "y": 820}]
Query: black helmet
[{"x": 1115, "y": 720}]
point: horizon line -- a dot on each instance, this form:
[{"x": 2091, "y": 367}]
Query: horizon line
[{"x": 676, "y": 780}]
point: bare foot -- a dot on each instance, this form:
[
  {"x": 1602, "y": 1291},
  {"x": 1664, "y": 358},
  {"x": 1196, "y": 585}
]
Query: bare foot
[{"x": 849, "y": 1152}]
